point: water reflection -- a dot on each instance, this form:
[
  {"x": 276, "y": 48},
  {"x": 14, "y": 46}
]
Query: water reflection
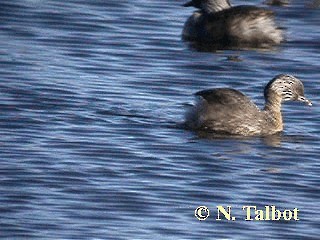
[
  {"x": 277, "y": 2},
  {"x": 271, "y": 140},
  {"x": 275, "y": 140},
  {"x": 216, "y": 47}
]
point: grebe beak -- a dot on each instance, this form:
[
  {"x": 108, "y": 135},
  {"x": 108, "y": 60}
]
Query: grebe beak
[
  {"x": 188, "y": 4},
  {"x": 306, "y": 101}
]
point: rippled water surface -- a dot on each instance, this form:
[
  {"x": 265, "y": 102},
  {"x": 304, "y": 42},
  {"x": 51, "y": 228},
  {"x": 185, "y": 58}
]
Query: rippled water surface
[{"x": 92, "y": 97}]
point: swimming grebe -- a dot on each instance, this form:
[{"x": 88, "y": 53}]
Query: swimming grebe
[
  {"x": 217, "y": 22},
  {"x": 228, "y": 111}
]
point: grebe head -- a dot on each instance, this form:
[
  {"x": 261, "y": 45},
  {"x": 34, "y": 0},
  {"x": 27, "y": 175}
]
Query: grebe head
[
  {"x": 287, "y": 88},
  {"x": 209, "y": 5}
]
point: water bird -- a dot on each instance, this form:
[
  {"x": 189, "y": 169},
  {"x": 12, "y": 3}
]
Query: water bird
[
  {"x": 228, "y": 111},
  {"x": 217, "y": 22}
]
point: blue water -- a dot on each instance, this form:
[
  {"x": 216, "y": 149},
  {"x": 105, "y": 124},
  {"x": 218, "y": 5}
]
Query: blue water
[{"x": 92, "y": 94}]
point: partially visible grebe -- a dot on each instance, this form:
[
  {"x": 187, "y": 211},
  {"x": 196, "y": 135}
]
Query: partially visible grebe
[
  {"x": 228, "y": 111},
  {"x": 217, "y": 22}
]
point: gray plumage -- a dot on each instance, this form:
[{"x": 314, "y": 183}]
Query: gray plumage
[
  {"x": 228, "y": 111},
  {"x": 218, "y": 23}
]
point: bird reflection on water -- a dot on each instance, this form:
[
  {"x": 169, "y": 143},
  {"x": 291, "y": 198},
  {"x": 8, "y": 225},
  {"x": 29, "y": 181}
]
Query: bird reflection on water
[{"x": 270, "y": 140}]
